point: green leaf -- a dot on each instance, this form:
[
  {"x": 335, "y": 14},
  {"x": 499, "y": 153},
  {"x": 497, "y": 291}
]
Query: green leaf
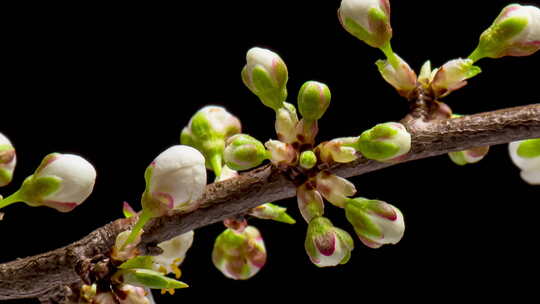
[
  {"x": 148, "y": 278},
  {"x": 144, "y": 262}
]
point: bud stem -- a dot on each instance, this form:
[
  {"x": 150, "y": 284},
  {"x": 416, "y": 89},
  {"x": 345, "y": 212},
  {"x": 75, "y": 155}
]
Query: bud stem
[
  {"x": 14, "y": 198},
  {"x": 389, "y": 53},
  {"x": 144, "y": 217},
  {"x": 475, "y": 56},
  {"x": 216, "y": 163}
]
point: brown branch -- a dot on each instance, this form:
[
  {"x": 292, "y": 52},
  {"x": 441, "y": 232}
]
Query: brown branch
[{"x": 47, "y": 275}]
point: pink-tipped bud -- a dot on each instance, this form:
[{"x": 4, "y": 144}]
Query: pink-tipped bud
[
  {"x": 376, "y": 223},
  {"x": 327, "y": 245},
  {"x": 367, "y": 20},
  {"x": 239, "y": 255}
]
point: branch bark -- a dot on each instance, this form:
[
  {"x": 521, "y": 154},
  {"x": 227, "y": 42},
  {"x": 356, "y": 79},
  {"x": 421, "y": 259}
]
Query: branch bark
[{"x": 47, "y": 275}]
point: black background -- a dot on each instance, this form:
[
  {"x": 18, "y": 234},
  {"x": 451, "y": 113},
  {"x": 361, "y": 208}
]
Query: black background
[{"x": 116, "y": 84}]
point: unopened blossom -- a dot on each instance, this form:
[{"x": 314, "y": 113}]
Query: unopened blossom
[
  {"x": 313, "y": 100},
  {"x": 176, "y": 179},
  {"x": 376, "y": 223},
  {"x": 265, "y": 74},
  {"x": 453, "y": 75},
  {"x": 385, "y": 142},
  {"x": 526, "y": 155},
  {"x": 469, "y": 156},
  {"x": 207, "y": 131},
  {"x": 367, "y": 20},
  {"x": 515, "y": 32},
  {"x": 62, "y": 182},
  {"x": 8, "y": 160},
  {"x": 243, "y": 152},
  {"x": 308, "y": 159},
  {"x": 239, "y": 255},
  {"x": 327, "y": 245}
]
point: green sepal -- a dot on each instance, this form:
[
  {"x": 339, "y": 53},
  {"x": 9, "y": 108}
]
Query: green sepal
[
  {"x": 147, "y": 278},
  {"x": 128, "y": 211},
  {"x": 33, "y": 189},
  {"x": 5, "y": 176},
  {"x": 458, "y": 158},
  {"x": 357, "y": 214},
  {"x": 529, "y": 148},
  {"x": 270, "y": 95},
  {"x": 357, "y": 31},
  {"x": 142, "y": 262},
  {"x": 492, "y": 41}
]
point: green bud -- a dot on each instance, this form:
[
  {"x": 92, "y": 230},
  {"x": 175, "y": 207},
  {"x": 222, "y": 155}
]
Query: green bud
[
  {"x": 367, "y": 20},
  {"x": 207, "y": 131},
  {"x": 529, "y": 148},
  {"x": 515, "y": 32},
  {"x": 265, "y": 74},
  {"x": 308, "y": 159},
  {"x": 244, "y": 152},
  {"x": 385, "y": 142},
  {"x": 469, "y": 156},
  {"x": 313, "y": 100},
  {"x": 146, "y": 278}
]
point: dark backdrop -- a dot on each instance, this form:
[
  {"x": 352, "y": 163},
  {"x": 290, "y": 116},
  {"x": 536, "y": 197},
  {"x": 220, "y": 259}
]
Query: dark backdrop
[{"x": 117, "y": 83}]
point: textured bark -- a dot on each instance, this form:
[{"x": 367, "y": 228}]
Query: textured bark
[{"x": 47, "y": 275}]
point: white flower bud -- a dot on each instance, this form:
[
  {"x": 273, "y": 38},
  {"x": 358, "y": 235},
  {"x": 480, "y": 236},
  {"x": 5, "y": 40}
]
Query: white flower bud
[
  {"x": 367, "y": 20},
  {"x": 265, "y": 74},
  {"x": 515, "y": 32},
  {"x": 526, "y": 155},
  {"x": 327, "y": 245},
  {"x": 177, "y": 178}
]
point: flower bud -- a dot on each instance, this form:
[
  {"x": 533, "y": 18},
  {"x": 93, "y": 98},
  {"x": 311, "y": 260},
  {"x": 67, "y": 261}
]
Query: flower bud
[
  {"x": 313, "y": 100},
  {"x": 280, "y": 152},
  {"x": 265, "y": 74},
  {"x": 376, "y": 223},
  {"x": 146, "y": 278},
  {"x": 175, "y": 180},
  {"x": 62, "y": 182},
  {"x": 243, "y": 152},
  {"x": 515, "y": 32},
  {"x": 129, "y": 294},
  {"x": 333, "y": 188},
  {"x": 286, "y": 121},
  {"x": 310, "y": 202},
  {"x": 239, "y": 255},
  {"x": 452, "y": 76},
  {"x": 327, "y": 245},
  {"x": 367, "y": 20},
  {"x": 270, "y": 211},
  {"x": 526, "y": 155},
  {"x": 308, "y": 159},
  {"x": 385, "y": 142},
  {"x": 8, "y": 159},
  {"x": 174, "y": 253},
  {"x": 339, "y": 150},
  {"x": 469, "y": 156},
  {"x": 399, "y": 75},
  {"x": 207, "y": 131}
]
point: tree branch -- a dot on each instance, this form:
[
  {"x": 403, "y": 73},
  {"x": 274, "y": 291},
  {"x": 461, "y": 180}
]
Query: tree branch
[{"x": 47, "y": 275}]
